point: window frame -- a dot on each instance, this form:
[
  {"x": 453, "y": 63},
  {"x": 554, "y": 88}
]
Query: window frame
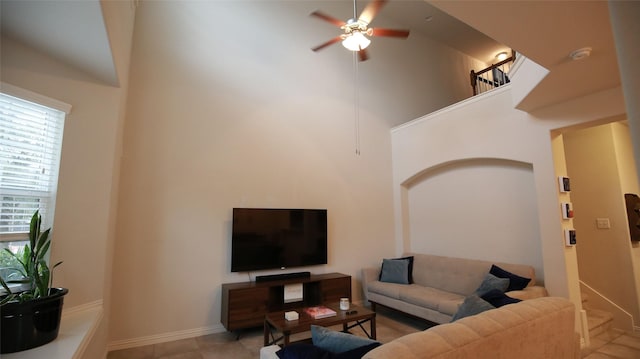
[{"x": 29, "y": 96}]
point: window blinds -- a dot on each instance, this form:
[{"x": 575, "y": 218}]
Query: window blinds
[{"x": 30, "y": 143}]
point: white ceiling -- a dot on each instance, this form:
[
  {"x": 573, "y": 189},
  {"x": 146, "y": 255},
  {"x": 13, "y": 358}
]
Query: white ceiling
[{"x": 74, "y": 32}]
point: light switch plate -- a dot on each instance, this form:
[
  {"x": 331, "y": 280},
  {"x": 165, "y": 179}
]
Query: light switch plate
[{"x": 603, "y": 223}]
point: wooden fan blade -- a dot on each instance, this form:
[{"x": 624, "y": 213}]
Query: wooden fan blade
[
  {"x": 371, "y": 10},
  {"x": 328, "y": 18},
  {"x": 363, "y": 55},
  {"x": 390, "y": 33},
  {"x": 330, "y": 42}
]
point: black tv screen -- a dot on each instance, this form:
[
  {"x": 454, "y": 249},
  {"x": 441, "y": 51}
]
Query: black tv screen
[{"x": 270, "y": 238}]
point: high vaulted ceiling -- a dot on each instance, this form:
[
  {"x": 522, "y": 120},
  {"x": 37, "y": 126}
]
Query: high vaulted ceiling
[
  {"x": 547, "y": 32},
  {"x": 74, "y": 32}
]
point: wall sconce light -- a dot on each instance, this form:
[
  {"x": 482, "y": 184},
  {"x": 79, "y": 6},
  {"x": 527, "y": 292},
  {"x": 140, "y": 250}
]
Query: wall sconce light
[{"x": 501, "y": 56}]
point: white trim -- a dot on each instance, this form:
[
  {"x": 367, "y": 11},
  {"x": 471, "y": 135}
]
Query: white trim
[
  {"x": 88, "y": 336},
  {"x": 165, "y": 337},
  {"x": 585, "y": 339},
  {"x": 611, "y": 303},
  {"x": 513, "y": 70},
  {"x": 14, "y": 237},
  {"x": 43, "y": 100},
  {"x": 82, "y": 308},
  {"x": 463, "y": 103}
]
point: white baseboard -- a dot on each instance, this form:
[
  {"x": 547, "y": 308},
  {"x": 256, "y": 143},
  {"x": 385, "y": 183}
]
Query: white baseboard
[{"x": 165, "y": 337}]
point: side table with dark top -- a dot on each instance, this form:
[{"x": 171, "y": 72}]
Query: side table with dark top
[{"x": 356, "y": 315}]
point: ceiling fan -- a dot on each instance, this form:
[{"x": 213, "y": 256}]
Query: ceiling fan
[{"x": 357, "y": 30}]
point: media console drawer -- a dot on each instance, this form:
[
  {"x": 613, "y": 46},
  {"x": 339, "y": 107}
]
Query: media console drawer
[{"x": 245, "y": 304}]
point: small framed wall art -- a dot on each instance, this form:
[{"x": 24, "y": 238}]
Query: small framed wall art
[
  {"x": 567, "y": 210},
  {"x": 570, "y": 237},
  {"x": 564, "y": 184}
]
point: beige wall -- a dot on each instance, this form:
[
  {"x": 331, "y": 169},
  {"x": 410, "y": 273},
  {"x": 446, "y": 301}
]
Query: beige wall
[
  {"x": 221, "y": 116},
  {"x": 81, "y": 226},
  {"x": 84, "y": 226},
  {"x": 450, "y": 227},
  {"x": 628, "y": 182},
  {"x": 570, "y": 255},
  {"x": 599, "y": 164},
  {"x": 488, "y": 127}
]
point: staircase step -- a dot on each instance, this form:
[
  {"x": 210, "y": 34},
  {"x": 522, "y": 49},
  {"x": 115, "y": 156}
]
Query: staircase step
[
  {"x": 599, "y": 321},
  {"x": 585, "y": 298}
]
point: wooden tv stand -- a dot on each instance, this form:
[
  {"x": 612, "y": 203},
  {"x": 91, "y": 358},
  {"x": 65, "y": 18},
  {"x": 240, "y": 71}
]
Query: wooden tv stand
[{"x": 244, "y": 305}]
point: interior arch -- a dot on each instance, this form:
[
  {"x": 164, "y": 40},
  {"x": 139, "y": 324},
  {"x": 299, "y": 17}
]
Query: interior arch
[{"x": 449, "y": 209}]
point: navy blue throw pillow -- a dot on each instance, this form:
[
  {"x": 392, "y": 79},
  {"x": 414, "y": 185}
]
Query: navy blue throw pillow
[
  {"x": 302, "y": 351},
  {"x": 516, "y": 282},
  {"x": 310, "y": 351},
  {"x": 497, "y": 298}
]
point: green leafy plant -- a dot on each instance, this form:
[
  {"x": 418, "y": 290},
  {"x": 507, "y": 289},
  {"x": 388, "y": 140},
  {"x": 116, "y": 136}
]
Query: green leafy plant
[{"x": 33, "y": 269}]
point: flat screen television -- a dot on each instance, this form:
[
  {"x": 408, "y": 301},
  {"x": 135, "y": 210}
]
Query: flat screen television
[{"x": 274, "y": 238}]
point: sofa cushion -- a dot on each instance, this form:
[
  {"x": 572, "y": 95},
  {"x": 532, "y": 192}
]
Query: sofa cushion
[
  {"x": 492, "y": 282},
  {"x": 428, "y": 297},
  {"x": 516, "y": 282},
  {"x": 450, "y": 306},
  {"x": 472, "y": 305},
  {"x": 456, "y": 275},
  {"x": 395, "y": 271},
  {"x": 391, "y": 290},
  {"x": 336, "y": 342},
  {"x": 459, "y": 275},
  {"x": 497, "y": 298}
]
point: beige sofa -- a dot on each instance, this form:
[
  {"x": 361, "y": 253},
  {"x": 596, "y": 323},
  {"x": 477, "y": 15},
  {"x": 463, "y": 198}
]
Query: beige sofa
[
  {"x": 538, "y": 328},
  {"x": 440, "y": 286}
]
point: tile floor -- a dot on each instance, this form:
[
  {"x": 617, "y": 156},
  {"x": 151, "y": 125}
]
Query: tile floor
[
  {"x": 613, "y": 344},
  {"x": 389, "y": 325}
]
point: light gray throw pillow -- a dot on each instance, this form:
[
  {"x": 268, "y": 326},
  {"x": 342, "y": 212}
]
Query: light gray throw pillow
[
  {"x": 472, "y": 305},
  {"x": 490, "y": 283}
]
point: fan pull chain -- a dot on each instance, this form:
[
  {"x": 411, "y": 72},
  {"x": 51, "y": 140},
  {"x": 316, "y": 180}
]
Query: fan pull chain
[{"x": 356, "y": 103}]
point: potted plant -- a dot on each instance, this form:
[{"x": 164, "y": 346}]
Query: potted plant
[{"x": 30, "y": 317}]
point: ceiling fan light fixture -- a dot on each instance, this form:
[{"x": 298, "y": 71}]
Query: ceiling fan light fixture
[{"x": 356, "y": 41}]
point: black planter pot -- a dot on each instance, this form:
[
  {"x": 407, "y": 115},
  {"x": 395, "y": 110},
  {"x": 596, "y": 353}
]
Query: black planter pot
[{"x": 32, "y": 323}]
